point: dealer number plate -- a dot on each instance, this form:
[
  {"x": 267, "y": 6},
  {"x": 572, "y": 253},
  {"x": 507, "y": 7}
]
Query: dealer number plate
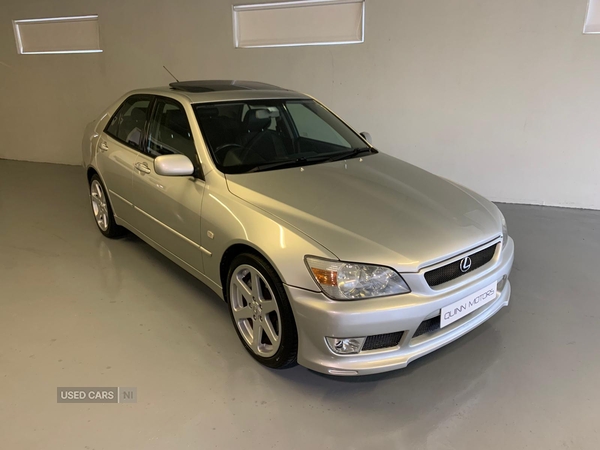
[{"x": 467, "y": 305}]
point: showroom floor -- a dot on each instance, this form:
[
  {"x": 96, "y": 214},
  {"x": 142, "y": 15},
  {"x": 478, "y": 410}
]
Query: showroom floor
[{"x": 81, "y": 310}]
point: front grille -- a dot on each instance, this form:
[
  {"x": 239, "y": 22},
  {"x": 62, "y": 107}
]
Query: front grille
[
  {"x": 379, "y": 341},
  {"x": 428, "y": 326},
  {"x": 451, "y": 271}
]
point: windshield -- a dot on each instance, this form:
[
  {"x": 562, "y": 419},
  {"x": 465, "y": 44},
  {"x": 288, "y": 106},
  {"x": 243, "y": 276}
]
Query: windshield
[{"x": 256, "y": 135}]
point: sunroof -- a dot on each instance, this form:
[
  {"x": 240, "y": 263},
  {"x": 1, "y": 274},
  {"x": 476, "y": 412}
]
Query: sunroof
[{"x": 222, "y": 85}]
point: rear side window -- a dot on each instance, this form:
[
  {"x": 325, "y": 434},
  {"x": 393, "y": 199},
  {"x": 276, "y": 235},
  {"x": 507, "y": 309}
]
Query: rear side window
[{"x": 127, "y": 124}]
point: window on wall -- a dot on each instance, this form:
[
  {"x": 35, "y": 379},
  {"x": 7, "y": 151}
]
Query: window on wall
[
  {"x": 592, "y": 19},
  {"x": 76, "y": 34},
  {"x": 304, "y": 22}
]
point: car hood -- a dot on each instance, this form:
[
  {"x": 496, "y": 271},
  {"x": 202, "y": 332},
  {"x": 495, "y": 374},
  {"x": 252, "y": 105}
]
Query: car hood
[{"x": 376, "y": 209}]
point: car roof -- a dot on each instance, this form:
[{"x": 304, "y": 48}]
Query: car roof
[
  {"x": 208, "y": 91},
  {"x": 223, "y": 85}
]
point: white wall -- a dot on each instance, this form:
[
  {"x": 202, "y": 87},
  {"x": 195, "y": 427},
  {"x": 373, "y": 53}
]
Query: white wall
[{"x": 501, "y": 96}]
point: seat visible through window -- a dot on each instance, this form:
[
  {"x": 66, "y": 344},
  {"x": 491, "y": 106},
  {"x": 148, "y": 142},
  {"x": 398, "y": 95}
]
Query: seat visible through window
[
  {"x": 260, "y": 138},
  {"x": 170, "y": 132},
  {"x": 128, "y": 122}
]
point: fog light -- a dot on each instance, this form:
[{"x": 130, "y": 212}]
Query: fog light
[
  {"x": 346, "y": 346},
  {"x": 502, "y": 283}
]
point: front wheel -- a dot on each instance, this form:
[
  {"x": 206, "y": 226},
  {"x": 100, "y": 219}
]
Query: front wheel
[{"x": 261, "y": 312}]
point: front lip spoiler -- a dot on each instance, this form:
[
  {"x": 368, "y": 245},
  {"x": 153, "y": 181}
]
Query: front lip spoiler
[{"x": 431, "y": 345}]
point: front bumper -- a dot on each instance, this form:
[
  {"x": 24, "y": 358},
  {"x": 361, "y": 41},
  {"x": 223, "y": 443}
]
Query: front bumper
[{"x": 318, "y": 317}]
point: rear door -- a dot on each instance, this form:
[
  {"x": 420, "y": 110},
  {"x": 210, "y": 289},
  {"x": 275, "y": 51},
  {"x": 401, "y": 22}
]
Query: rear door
[
  {"x": 118, "y": 148},
  {"x": 167, "y": 209}
]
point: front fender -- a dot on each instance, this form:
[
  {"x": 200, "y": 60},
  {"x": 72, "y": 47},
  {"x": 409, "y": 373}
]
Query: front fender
[{"x": 228, "y": 220}]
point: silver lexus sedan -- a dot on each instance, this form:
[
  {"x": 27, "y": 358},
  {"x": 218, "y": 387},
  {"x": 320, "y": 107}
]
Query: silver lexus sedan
[{"x": 328, "y": 252}]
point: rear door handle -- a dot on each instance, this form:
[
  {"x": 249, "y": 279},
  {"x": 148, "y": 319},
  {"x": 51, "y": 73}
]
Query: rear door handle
[
  {"x": 103, "y": 146},
  {"x": 142, "y": 167}
]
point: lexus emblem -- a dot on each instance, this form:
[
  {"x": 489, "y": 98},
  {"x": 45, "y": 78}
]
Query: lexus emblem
[{"x": 465, "y": 264}]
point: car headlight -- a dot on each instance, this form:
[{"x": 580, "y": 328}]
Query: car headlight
[
  {"x": 352, "y": 281},
  {"x": 504, "y": 233}
]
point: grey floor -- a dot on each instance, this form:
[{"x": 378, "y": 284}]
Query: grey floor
[{"x": 77, "y": 309}]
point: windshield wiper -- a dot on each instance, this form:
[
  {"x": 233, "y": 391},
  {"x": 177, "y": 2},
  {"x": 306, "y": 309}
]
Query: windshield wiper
[
  {"x": 352, "y": 154},
  {"x": 280, "y": 164},
  {"x": 312, "y": 160}
]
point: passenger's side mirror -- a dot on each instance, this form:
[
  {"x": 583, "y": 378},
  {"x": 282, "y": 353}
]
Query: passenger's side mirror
[
  {"x": 367, "y": 137},
  {"x": 173, "y": 166}
]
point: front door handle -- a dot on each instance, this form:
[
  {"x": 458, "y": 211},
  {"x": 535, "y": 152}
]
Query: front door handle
[
  {"x": 142, "y": 167},
  {"x": 103, "y": 146}
]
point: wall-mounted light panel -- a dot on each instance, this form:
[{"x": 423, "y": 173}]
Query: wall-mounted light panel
[
  {"x": 304, "y": 22},
  {"x": 592, "y": 18},
  {"x": 76, "y": 34}
]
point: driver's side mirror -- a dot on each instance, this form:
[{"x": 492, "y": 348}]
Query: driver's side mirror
[
  {"x": 173, "y": 166},
  {"x": 367, "y": 137}
]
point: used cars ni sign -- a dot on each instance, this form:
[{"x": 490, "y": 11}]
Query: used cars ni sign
[{"x": 328, "y": 252}]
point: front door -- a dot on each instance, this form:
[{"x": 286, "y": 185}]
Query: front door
[{"x": 167, "y": 209}]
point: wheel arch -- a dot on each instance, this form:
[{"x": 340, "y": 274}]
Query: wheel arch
[
  {"x": 237, "y": 249},
  {"x": 90, "y": 172}
]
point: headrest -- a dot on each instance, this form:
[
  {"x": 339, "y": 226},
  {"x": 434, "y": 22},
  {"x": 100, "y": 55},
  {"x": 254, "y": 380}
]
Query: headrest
[
  {"x": 203, "y": 112},
  {"x": 177, "y": 121},
  {"x": 138, "y": 114},
  {"x": 257, "y": 120},
  {"x": 177, "y": 117}
]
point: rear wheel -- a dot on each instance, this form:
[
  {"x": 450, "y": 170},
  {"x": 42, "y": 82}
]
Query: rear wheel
[
  {"x": 261, "y": 312},
  {"x": 102, "y": 210}
]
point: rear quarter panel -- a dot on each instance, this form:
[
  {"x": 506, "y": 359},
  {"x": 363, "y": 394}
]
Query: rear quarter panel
[{"x": 91, "y": 136}]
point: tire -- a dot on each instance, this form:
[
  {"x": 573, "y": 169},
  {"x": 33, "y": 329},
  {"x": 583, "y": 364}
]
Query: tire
[
  {"x": 102, "y": 210},
  {"x": 250, "y": 307}
]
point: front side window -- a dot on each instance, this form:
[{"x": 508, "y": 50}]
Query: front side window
[
  {"x": 169, "y": 132},
  {"x": 127, "y": 124},
  {"x": 256, "y": 135}
]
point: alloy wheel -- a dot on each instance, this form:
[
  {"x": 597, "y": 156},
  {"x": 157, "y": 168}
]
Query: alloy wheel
[
  {"x": 255, "y": 310},
  {"x": 99, "y": 205}
]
